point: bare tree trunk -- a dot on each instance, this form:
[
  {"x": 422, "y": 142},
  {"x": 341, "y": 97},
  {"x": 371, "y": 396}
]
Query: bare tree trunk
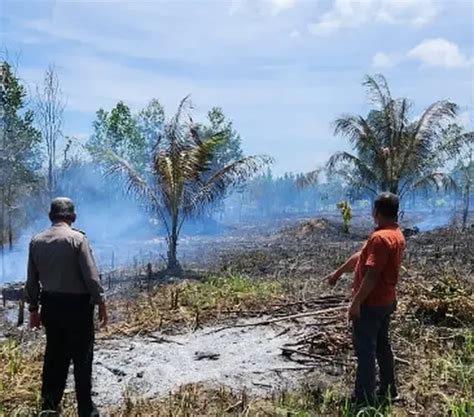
[
  {"x": 10, "y": 230},
  {"x": 2, "y": 232},
  {"x": 50, "y": 177},
  {"x": 466, "y": 205},
  {"x": 173, "y": 264},
  {"x": 8, "y": 214},
  {"x": 241, "y": 204},
  {"x": 50, "y": 115}
]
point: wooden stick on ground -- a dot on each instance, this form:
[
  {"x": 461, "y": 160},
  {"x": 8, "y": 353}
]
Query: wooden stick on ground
[
  {"x": 292, "y": 317},
  {"x": 314, "y": 356},
  {"x": 296, "y": 368}
]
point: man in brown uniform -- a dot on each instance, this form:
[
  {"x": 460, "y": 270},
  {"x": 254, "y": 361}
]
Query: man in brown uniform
[{"x": 63, "y": 279}]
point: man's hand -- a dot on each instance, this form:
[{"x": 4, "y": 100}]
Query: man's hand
[
  {"x": 332, "y": 278},
  {"x": 354, "y": 311},
  {"x": 103, "y": 317},
  {"x": 35, "y": 320}
]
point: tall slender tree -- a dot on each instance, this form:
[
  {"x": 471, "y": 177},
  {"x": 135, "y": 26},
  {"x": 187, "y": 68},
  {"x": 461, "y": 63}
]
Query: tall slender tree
[
  {"x": 50, "y": 111},
  {"x": 460, "y": 146},
  {"x": 20, "y": 156}
]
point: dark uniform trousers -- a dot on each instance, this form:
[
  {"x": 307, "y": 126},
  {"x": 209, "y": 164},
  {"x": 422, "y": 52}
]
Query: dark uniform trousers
[
  {"x": 370, "y": 333},
  {"x": 69, "y": 323}
]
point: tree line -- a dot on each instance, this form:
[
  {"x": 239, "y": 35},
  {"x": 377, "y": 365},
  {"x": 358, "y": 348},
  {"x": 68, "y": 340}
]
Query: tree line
[{"x": 179, "y": 169}]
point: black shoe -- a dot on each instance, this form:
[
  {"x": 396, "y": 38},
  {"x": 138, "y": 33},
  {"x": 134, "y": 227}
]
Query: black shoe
[
  {"x": 384, "y": 397},
  {"x": 358, "y": 403},
  {"x": 90, "y": 412},
  {"x": 48, "y": 409}
]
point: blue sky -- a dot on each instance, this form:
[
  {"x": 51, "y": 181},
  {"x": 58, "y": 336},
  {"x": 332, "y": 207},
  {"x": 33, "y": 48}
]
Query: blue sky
[{"x": 282, "y": 70}]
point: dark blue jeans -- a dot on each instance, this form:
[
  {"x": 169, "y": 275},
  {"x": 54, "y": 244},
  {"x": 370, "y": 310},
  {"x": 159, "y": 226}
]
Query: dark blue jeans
[{"x": 370, "y": 335}]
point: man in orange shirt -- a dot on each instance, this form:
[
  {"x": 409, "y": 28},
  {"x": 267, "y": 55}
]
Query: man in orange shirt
[{"x": 376, "y": 268}]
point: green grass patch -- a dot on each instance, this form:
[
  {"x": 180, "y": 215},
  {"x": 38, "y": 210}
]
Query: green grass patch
[{"x": 194, "y": 303}]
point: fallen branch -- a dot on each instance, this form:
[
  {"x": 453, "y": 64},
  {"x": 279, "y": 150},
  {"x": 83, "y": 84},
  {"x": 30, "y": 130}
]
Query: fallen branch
[
  {"x": 292, "y": 317},
  {"x": 403, "y": 361},
  {"x": 233, "y": 407},
  {"x": 313, "y": 356},
  {"x": 325, "y": 299},
  {"x": 296, "y": 368}
]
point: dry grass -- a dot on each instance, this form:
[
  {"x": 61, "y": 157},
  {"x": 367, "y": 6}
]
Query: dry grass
[
  {"x": 440, "y": 348},
  {"x": 447, "y": 302},
  {"x": 20, "y": 367},
  {"x": 192, "y": 304},
  {"x": 433, "y": 330}
]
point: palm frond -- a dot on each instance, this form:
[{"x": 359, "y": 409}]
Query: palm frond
[
  {"x": 354, "y": 127},
  {"x": 345, "y": 157},
  {"x": 175, "y": 131},
  {"x": 184, "y": 105},
  {"x": 230, "y": 176},
  {"x": 200, "y": 156},
  {"x": 401, "y": 118},
  {"x": 421, "y": 139},
  {"x": 377, "y": 87},
  {"x": 118, "y": 167},
  {"x": 434, "y": 180},
  {"x": 433, "y": 117},
  {"x": 365, "y": 135},
  {"x": 165, "y": 177},
  {"x": 309, "y": 179}
]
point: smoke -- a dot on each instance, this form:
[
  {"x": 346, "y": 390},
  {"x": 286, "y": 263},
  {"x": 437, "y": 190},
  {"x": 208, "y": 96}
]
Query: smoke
[
  {"x": 122, "y": 232},
  {"x": 116, "y": 225},
  {"x": 434, "y": 221}
]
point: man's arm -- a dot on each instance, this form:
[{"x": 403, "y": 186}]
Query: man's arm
[
  {"x": 32, "y": 291},
  {"x": 346, "y": 267},
  {"x": 32, "y": 287},
  {"x": 91, "y": 278},
  {"x": 89, "y": 272}
]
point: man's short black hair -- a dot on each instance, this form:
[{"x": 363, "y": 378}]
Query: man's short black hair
[
  {"x": 387, "y": 205},
  {"x": 62, "y": 208}
]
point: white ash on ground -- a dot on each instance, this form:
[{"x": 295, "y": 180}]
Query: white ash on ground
[{"x": 240, "y": 358}]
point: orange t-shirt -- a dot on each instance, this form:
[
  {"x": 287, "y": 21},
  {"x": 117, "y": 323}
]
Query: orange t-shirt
[{"x": 383, "y": 252}]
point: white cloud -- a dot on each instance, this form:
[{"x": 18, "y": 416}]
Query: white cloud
[
  {"x": 177, "y": 32},
  {"x": 295, "y": 33},
  {"x": 262, "y": 7},
  {"x": 246, "y": 62},
  {"x": 440, "y": 53},
  {"x": 281, "y": 5},
  {"x": 354, "y": 13},
  {"x": 383, "y": 60},
  {"x": 413, "y": 12}
]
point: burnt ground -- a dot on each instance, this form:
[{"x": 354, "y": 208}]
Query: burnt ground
[
  {"x": 435, "y": 304},
  {"x": 300, "y": 249}
]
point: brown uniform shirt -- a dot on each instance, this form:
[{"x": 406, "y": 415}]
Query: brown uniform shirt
[{"x": 60, "y": 261}]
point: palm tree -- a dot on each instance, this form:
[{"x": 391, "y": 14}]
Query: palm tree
[
  {"x": 181, "y": 181},
  {"x": 393, "y": 152},
  {"x": 460, "y": 146}
]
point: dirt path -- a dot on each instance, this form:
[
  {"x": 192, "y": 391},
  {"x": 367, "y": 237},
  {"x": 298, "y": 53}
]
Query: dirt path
[{"x": 150, "y": 367}]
